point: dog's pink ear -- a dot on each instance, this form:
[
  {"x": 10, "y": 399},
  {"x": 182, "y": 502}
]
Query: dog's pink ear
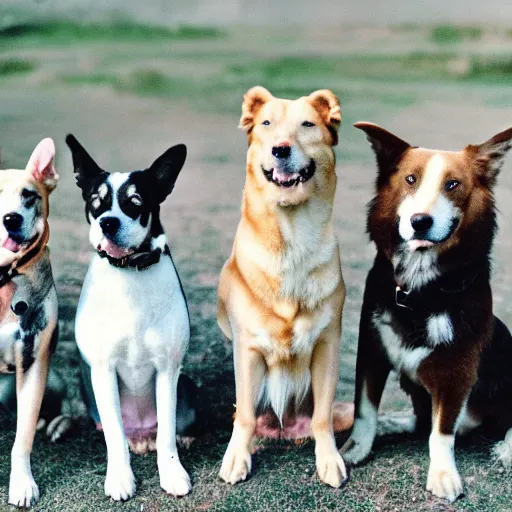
[
  {"x": 388, "y": 148},
  {"x": 328, "y": 105},
  {"x": 490, "y": 156},
  {"x": 254, "y": 99},
  {"x": 41, "y": 164}
]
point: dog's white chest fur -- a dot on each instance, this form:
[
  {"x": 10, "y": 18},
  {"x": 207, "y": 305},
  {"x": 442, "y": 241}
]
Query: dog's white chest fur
[
  {"x": 403, "y": 359},
  {"x": 131, "y": 319}
]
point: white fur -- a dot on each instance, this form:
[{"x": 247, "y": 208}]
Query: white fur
[
  {"x": 403, "y": 359},
  {"x": 443, "y": 478},
  {"x": 420, "y": 268},
  {"x": 440, "y": 329},
  {"x": 503, "y": 450},
  {"x": 132, "y": 325},
  {"x": 429, "y": 199},
  {"x": 363, "y": 432}
]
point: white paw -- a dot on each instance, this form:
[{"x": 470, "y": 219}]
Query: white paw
[
  {"x": 120, "y": 484},
  {"x": 236, "y": 465},
  {"x": 503, "y": 450},
  {"x": 445, "y": 482},
  {"x": 173, "y": 477},
  {"x": 355, "y": 452},
  {"x": 23, "y": 490},
  {"x": 58, "y": 427},
  {"x": 331, "y": 468}
]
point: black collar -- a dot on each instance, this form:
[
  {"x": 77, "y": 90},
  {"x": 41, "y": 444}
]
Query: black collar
[
  {"x": 441, "y": 290},
  {"x": 8, "y": 272},
  {"x": 140, "y": 260}
]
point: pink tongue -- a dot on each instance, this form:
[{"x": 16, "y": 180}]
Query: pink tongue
[
  {"x": 113, "y": 250},
  {"x": 11, "y": 245}
]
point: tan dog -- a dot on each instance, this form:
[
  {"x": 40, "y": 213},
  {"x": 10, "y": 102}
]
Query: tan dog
[
  {"x": 28, "y": 303},
  {"x": 281, "y": 293}
]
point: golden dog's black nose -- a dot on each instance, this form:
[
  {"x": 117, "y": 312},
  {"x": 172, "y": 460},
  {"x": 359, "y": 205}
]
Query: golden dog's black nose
[{"x": 281, "y": 151}]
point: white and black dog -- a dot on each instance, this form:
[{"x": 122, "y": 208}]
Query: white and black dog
[{"x": 132, "y": 325}]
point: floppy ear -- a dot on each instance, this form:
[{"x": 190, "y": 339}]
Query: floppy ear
[
  {"x": 490, "y": 155},
  {"x": 165, "y": 170},
  {"x": 85, "y": 167},
  {"x": 41, "y": 164},
  {"x": 254, "y": 99},
  {"x": 388, "y": 148},
  {"x": 328, "y": 105}
]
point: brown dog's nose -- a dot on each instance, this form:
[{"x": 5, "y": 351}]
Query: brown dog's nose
[
  {"x": 421, "y": 222},
  {"x": 282, "y": 150}
]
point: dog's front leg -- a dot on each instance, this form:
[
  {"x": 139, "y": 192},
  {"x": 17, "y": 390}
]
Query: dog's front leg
[
  {"x": 443, "y": 478},
  {"x": 250, "y": 369},
  {"x": 173, "y": 477},
  {"x": 324, "y": 377},
  {"x": 119, "y": 482},
  {"x": 23, "y": 490}
]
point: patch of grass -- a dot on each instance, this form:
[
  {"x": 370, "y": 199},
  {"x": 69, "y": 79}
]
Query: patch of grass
[
  {"x": 13, "y": 66},
  {"x": 68, "y": 32},
  {"x": 450, "y": 34},
  {"x": 491, "y": 68}
]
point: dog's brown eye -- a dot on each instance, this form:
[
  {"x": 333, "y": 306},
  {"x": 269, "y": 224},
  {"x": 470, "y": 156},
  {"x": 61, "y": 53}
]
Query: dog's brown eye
[
  {"x": 308, "y": 124},
  {"x": 451, "y": 185},
  {"x": 411, "y": 179},
  {"x": 266, "y": 122},
  {"x": 28, "y": 194},
  {"x": 136, "y": 200}
]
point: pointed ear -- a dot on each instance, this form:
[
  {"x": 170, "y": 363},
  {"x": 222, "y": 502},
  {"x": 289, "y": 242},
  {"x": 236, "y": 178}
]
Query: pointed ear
[
  {"x": 85, "y": 167},
  {"x": 254, "y": 99},
  {"x": 490, "y": 156},
  {"x": 388, "y": 148},
  {"x": 165, "y": 170},
  {"x": 41, "y": 164},
  {"x": 328, "y": 105}
]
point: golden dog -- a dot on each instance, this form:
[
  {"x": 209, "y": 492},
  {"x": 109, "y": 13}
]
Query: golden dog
[{"x": 281, "y": 293}]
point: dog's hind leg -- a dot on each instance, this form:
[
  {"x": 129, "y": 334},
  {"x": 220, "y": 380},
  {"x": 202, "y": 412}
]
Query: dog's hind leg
[
  {"x": 503, "y": 450},
  {"x": 173, "y": 477},
  {"x": 23, "y": 490}
]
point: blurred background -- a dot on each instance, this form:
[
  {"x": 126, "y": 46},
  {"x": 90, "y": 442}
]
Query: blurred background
[{"x": 130, "y": 79}]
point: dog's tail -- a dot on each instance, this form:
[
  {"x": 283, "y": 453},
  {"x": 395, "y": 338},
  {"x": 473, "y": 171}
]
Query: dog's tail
[{"x": 282, "y": 386}]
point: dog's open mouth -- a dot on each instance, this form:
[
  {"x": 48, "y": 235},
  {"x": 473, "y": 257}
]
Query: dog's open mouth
[
  {"x": 113, "y": 250},
  {"x": 15, "y": 243},
  {"x": 284, "y": 179}
]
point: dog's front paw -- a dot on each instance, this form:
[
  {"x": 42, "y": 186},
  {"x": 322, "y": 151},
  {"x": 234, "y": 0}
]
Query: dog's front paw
[
  {"x": 445, "y": 482},
  {"x": 120, "y": 484},
  {"x": 23, "y": 490},
  {"x": 355, "y": 452},
  {"x": 236, "y": 465},
  {"x": 173, "y": 478},
  {"x": 331, "y": 468},
  {"x": 59, "y": 427}
]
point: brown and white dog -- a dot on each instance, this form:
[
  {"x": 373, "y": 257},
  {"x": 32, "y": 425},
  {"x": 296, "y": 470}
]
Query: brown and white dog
[
  {"x": 427, "y": 310},
  {"x": 28, "y": 304},
  {"x": 281, "y": 293}
]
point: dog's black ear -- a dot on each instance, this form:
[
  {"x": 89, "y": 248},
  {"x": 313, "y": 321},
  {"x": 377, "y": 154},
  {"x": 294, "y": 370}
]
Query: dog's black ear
[
  {"x": 490, "y": 156},
  {"x": 85, "y": 167},
  {"x": 388, "y": 148},
  {"x": 165, "y": 170}
]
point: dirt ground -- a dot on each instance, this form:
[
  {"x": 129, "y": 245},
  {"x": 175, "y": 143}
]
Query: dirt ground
[{"x": 128, "y": 97}]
